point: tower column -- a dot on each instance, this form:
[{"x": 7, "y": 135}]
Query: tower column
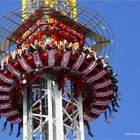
[
  {"x": 81, "y": 119},
  {"x": 50, "y": 113},
  {"x": 27, "y": 114},
  {"x": 59, "y": 113},
  {"x": 25, "y": 128}
]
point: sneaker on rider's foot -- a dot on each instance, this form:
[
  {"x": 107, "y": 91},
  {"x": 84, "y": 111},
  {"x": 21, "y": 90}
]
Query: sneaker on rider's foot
[
  {"x": 90, "y": 134},
  {"x": 3, "y": 129},
  {"x": 18, "y": 134},
  {"x": 115, "y": 80},
  {"x": 105, "y": 65},
  {"x": 118, "y": 99},
  {"x": 118, "y": 93},
  {"x": 117, "y": 105},
  {"x": 11, "y": 132},
  {"x": 111, "y": 116},
  {"x": 114, "y": 75},
  {"x": 108, "y": 122},
  {"x": 114, "y": 110}
]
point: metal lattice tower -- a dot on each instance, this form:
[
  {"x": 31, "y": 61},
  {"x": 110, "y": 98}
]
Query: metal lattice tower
[{"x": 52, "y": 93}]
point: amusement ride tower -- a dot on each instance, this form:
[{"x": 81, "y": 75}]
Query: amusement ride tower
[{"x": 55, "y": 75}]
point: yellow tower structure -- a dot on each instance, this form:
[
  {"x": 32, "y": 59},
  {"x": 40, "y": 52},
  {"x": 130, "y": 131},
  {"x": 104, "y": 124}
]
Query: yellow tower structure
[{"x": 27, "y": 3}]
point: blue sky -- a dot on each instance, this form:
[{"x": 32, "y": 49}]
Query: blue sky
[{"x": 124, "y": 19}]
